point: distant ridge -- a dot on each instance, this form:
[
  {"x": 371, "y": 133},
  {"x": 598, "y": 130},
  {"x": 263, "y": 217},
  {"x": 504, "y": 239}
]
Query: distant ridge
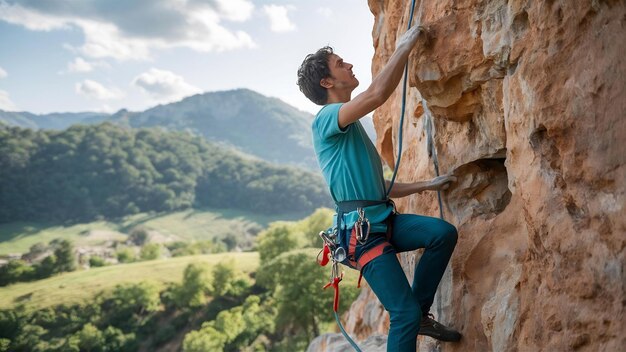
[
  {"x": 242, "y": 119},
  {"x": 53, "y": 121}
]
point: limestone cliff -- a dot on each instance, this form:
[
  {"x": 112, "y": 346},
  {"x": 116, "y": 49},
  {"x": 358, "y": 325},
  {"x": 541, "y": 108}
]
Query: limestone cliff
[{"x": 525, "y": 101}]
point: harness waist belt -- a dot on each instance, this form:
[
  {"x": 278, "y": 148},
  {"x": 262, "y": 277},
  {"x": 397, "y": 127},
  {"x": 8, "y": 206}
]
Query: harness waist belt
[{"x": 352, "y": 205}]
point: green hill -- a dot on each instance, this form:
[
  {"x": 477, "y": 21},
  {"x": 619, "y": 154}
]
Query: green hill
[
  {"x": 80, "y": 285},
  {"x": 186, "y": 225},
  {"x": 107, "y": 171}
]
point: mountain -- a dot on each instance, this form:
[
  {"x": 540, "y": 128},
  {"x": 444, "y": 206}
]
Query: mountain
[
  {"x": 255, "y": 124},
  {"x": 54, "y": 121},
  {"x": 242, "y": 119}
]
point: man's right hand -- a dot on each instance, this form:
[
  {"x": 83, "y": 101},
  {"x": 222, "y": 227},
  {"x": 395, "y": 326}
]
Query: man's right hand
[
  {"x": 409, "y": 38},
  {"x": 384, "y": 83}
]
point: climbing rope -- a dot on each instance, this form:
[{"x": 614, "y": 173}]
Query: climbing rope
[
  {"x": 402, "y": 109},
  {"x": 345, "y": 334},
  {"x": 432, "y": 150}
]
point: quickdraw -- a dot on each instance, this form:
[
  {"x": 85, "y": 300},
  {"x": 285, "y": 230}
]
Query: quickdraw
[
  {"x": 362, "y": 227},
  {"x": 335, "y": 279},
  {"x": 337, "y": 254},
  {"x": 332, "y": 251}
]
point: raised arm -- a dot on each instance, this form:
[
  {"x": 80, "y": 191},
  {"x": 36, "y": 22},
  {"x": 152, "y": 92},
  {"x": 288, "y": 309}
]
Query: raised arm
[{"x": 383, "y": 84}]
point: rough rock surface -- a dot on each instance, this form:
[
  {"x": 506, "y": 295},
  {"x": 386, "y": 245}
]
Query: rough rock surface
[{"x": 526, "y": 102}]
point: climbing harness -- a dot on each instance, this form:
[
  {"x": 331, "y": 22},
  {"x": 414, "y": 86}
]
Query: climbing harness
[
  {"x": 348, "y": 240},
  {"x": 340, "y": 247},
  {"x": 335, "y": 244}
]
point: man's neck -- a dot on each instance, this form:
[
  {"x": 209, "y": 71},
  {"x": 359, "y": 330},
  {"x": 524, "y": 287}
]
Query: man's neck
[{"x": 338, "y": 97}]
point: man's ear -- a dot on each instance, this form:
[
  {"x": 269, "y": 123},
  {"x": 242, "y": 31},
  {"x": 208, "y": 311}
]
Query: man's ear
[{"x": 326, "y": 83}]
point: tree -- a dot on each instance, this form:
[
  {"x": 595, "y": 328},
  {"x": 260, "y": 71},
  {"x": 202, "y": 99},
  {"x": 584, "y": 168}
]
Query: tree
[
  {"x": 14, "y": 271},
  {"x": 31, "y": 338},
  {"x": 47, "y": 267},
  {"x": 117, "y": 341},
  {"x": 300, "y": 302},
  {"x": 139, "y": 298},
  {"x": 90, "y": 339},
  {"x": 205, "y": 339},
  {"x": 138, "y": 235},
  {"x": 230, "y": 323},
  {"x": 12, "y": 322},
  {"x": 192, "y": 291},
  {"x": 130, "y": 304},
  {"x": 311, "y": 226},
  {"x": 150, "y": 251},
  {"x": 65, "y": 257},
  {"x": 4, "y": 345},
  {"x": 276, "y": 240},
  {"x": 259, "y": 319},
  {"x": 228, "y": 281}
]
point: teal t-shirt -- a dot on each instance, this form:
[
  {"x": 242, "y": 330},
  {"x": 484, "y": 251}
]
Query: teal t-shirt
[{"x": 351, "y": 166}]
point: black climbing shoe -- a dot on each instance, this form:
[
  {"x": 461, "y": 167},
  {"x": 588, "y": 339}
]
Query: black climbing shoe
[{"x": 434, "y": 329}]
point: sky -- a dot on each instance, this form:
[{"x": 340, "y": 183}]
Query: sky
[{"x": 105, "y": 55}]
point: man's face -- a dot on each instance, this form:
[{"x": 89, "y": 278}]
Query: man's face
[{"x": 341, "y": 73}]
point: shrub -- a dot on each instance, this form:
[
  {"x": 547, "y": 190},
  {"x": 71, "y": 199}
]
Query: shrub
[
  {"x": 150, "y": 251},
  {"x": 96, "y": 261},
  {"x": 125, "y": 255}
]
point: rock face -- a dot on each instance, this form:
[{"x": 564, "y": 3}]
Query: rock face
[{"x": 526, "y": 104}]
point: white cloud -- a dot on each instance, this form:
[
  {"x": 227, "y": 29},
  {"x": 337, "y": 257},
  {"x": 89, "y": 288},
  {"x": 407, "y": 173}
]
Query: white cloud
[
  {"x": 30, "y": 19},
  {"x": 104, "y": 40},
  {"x": 325, "y": 11},
  {"x": 235, "y": 10},
  {"x": 95, "y": 90},
  {"x": 81, "y": 65},
  {"x": 164, "y": 86},
  {"x": 3, "y": 73},
  {"x": 129, "y": 30},
  {"x": 279, "y": 21},
  {"x": 5, "y": 102}
]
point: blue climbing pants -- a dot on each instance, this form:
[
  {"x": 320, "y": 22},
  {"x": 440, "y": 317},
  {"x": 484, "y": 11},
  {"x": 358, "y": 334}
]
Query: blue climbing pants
[{"x": 405, "y": 303}]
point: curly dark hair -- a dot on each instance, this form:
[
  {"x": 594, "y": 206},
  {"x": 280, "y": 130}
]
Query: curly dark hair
[{"x": 313, "y": 69}]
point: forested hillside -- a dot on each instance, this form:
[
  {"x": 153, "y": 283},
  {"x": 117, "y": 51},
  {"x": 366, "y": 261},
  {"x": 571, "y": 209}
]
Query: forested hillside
[
  {"x": 266, "y": 301},
  {"x": 87, "y": 172}
]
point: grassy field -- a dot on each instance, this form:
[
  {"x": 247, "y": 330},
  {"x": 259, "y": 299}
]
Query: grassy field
[
  {"x": 192, "y": 224},
  {"x": 82, "y": 285}
]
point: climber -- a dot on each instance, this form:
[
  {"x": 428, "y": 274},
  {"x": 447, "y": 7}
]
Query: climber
[{"x": 353, "y": 171}]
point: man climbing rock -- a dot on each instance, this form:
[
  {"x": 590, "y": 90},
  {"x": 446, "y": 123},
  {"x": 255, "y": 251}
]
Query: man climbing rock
[{"x": 366, "y": 221}]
